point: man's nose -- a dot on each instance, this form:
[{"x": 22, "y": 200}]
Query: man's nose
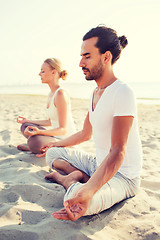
[{"x": 82, "y": 64}]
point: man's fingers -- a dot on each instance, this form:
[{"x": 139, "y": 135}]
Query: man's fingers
[
  {"x": 61, "y": 214},
  {"x": 66, "y": 214},
  {"x": 70, "y": 202},
  {"x": 74, "y": 212},
  {"x": 74, "y": 209}
]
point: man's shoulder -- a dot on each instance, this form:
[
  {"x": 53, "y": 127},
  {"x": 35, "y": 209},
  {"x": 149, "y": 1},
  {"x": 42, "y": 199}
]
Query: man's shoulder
[{"x": 122, "y": 86}]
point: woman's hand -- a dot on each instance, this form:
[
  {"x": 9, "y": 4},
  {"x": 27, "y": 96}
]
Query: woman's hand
[
  {"x": 21, "y": 120},
  {"x": 31, "y": 131},
  {"x": 44, "y": 149}
]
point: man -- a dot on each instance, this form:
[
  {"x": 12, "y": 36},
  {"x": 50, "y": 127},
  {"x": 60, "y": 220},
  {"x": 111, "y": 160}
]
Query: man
[{"x": 95, "y": 184}]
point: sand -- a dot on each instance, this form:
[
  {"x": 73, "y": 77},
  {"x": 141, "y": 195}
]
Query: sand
[{"x": 27, "y": 200}]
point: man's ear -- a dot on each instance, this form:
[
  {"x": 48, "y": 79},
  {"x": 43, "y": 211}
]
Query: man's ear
[{"x": 107, "y": 56}]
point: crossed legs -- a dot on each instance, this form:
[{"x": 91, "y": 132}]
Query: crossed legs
[
  {"x": 70, "y": 162},
  {"x": 79, "y": 167},
  {"x": 65, "y": 180},
  {"x": 34, "y": 143},
  {"x": 72, "y": 174}
]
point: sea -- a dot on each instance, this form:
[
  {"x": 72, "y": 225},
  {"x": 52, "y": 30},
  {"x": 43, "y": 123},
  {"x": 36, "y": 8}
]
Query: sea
[{"x": 146, "y": 92}]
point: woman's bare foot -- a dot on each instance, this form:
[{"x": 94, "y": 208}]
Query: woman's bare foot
[
  {"x": 65, "y": 180},
  {"x": 23, "y": 147}
]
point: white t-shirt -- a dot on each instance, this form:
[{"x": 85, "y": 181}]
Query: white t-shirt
[
  {"x": 117, "y": 100},
  {"x": 52, "y": 114}
]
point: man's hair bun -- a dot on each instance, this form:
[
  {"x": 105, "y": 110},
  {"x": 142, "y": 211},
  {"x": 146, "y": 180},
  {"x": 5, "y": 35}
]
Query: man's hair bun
[{"x": 123, "y": 41}]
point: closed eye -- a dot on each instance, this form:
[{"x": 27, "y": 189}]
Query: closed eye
[{"x": 86, "y": 55}]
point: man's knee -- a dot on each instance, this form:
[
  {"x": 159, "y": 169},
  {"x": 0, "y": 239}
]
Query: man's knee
[
  {"x": 51, "y": 155},
  {"x": 71, "y": 190}
]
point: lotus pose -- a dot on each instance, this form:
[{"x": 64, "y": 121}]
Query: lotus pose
[
  {"x": 94, "y": 184},
  {"x": 58, "y": 111}
]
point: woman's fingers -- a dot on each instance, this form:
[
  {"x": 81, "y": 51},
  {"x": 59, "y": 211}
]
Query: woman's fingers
[
  {"x": 20, "y": 119},
  {"x": 41, "y": 154}
]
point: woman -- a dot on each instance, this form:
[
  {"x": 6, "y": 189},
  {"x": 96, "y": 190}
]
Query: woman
[{"x": 58, "y": 111}]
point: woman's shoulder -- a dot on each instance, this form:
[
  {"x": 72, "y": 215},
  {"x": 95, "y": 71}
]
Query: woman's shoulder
[
  {"x": 61, "y": 92},
  {"x": 61, "y": 95}
]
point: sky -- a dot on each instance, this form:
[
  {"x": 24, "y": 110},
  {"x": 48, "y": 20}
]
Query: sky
[{"x": 33, "y": 30}]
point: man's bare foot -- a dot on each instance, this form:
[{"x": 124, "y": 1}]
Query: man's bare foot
[
  {"x": 23, "y": 147},
  {"x": 65, "y": 180},
  {"x": 51, "y": 176}
]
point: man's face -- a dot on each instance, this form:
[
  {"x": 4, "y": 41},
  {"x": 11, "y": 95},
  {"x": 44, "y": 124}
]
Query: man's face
[{"x": 91, "y": 61}]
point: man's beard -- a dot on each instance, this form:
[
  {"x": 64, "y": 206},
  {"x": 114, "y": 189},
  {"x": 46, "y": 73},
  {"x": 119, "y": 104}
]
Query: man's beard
[{"x": 95, "y": 73}]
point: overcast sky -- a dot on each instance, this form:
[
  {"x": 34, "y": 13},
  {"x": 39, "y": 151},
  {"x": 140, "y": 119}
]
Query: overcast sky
[{"x": 33, "y": 30}]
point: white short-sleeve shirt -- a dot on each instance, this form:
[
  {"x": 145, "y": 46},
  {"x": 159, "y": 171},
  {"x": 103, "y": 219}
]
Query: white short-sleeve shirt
[{"x": 117, "y": 100}]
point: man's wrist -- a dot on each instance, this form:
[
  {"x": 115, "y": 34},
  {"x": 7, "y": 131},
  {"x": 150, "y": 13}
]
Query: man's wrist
[{"x": 90, "y": 190}]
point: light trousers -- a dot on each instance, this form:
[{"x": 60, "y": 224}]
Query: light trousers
[{"x": 114, "y": 191}]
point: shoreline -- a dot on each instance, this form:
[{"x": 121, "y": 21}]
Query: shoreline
[
  {"x": 27, "y": 199},
  {"x": 145, "y": 101}
]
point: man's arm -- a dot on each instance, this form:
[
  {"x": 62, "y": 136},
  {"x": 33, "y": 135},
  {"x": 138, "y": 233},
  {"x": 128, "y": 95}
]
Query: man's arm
[
  {"x": 77, "y": 206},
  {"x": 79, "y": 137},
  {"x": 75, "y": 139},
  {"x": 110, "y": 165}
]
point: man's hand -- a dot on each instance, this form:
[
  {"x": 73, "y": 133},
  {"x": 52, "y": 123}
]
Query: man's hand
[
  {"x": 44, "y": 149},
  {"x": 74, "y": 207}
]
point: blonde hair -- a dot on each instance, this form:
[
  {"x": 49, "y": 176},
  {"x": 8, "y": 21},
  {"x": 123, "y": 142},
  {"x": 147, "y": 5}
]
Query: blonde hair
[{"x": 56, "y": 64}]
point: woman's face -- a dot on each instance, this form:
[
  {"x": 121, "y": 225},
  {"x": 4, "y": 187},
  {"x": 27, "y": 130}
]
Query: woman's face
[{"x": 46, "y": 73}]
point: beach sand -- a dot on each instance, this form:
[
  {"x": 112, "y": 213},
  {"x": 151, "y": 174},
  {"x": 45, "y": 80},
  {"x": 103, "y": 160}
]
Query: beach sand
[{"x": 27, "y": 200}]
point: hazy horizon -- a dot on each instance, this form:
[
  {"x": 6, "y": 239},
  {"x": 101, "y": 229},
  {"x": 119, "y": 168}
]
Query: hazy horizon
[{"x": 34, "y": 30}]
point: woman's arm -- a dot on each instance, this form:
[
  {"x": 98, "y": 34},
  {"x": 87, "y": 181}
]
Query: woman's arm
[
  {"x": 22, "y": 120},
  {"x": 61, "y": 102},
  {"x": 77, "y": 138}
]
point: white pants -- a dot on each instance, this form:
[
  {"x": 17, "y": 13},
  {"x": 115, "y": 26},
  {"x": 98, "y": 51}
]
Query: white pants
[{"x": 114, "y": 191}]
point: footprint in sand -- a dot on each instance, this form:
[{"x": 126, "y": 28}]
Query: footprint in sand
[
  {"x": 18, "y": 235},
  {"x": 5, "y": 134},
  {"x": 150, "y": 185}
]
